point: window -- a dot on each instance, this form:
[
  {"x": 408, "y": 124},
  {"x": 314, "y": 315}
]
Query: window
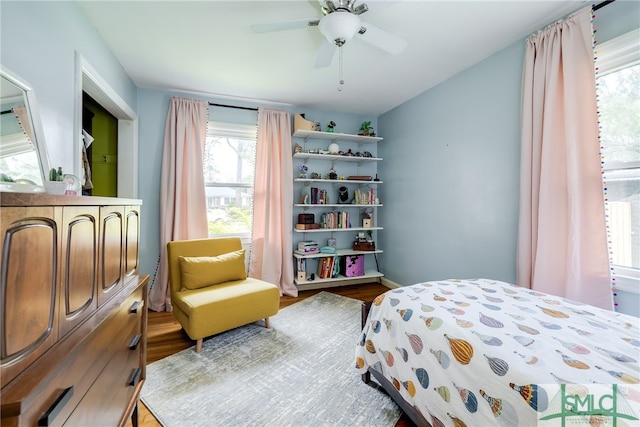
[
  {"x": 619, "y": 106},
  {"x": 228, "y": 164}
]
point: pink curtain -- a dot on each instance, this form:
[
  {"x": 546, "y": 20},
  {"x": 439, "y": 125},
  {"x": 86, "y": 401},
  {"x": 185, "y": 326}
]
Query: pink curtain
[
  {"x": 562, "y": 247},
  {"x": 271, "y": 244},
  {"x": 183, "y": 211}
]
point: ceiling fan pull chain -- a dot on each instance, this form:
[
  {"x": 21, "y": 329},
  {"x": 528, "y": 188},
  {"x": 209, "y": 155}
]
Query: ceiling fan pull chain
[{"x": 341, "y": 81}]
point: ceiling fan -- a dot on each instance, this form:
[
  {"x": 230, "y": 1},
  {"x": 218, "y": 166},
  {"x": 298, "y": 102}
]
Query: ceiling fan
[{"x": 340, "y": 23}]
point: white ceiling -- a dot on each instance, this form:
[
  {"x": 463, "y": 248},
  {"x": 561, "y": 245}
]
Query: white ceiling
[{"x": 208, "y": 47}]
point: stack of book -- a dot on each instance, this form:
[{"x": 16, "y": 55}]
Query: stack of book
[
  {"x": 308, "y": 248},
  {"x": 319, "y": 196},
  {"x": 364, "y": 197},
  {"x": 335, "y": 220},
  {"x": 328, "y": 267}
]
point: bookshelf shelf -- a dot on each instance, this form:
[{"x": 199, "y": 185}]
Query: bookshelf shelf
[
  {"x": 313, "y": 284},
  {"x": 339, "y": 252},
  {"x": 334, "y": 157},
  {"x": 357, "y": 213},
  {"x": 336, "y": 137},
  {"x": 333, "y": 205},
  {"x": 336, "y": 181},
  {"x": 325, "y": 230}
]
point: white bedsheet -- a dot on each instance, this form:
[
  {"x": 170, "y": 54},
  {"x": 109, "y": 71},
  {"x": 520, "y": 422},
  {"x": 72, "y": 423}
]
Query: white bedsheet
[{"x": 483, "y": 352}]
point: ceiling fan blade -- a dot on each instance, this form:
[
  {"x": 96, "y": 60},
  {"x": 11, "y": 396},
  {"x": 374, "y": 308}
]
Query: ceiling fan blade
[
  {"x": 286, "y": 25},
  {"x": 382, "y": 39},
  {"x": 325, "y": 54}
]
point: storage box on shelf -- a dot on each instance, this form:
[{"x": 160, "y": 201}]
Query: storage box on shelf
[{"x": 340, "y": 191}]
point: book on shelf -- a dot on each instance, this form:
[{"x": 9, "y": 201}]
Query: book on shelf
[
  {"x": 364, "y": 197},
  {"x": 307, "y": 226},
  {"x": 335, "y": 220},
  {"x": 307, "y": 244},
  {"x": 307, "y": 252},
  {"x": 328, "y": 267},
  {"x": 319, "y": 196}
]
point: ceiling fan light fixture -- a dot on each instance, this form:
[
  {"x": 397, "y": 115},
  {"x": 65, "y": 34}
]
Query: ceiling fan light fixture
[
  {"x": 360, "y": 9},
  {"x": 328, "y": 8},
  {"x": 339, "y": 27}
]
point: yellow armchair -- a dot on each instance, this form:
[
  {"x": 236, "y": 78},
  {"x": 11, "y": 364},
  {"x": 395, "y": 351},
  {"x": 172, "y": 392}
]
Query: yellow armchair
[{"x": 210, "y": 291}]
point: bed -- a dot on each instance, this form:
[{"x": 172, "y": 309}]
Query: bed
[{"x": 484, "y": 352}]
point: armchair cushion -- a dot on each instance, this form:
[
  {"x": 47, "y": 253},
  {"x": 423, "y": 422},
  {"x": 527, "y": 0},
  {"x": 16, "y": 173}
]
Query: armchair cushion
[{"x": 200, "y": 272}]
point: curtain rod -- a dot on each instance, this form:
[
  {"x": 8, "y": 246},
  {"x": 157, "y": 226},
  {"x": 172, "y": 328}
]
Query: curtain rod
[
  {"x": 232, "y": 106},
  {"x": 6, "y": 111},
  {"x": 603, "y": 4}
]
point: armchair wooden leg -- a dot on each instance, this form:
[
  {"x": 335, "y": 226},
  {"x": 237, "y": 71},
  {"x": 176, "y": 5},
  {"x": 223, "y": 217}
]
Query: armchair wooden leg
[
  {"x": 198, "y": 345},
  {"x": 267, "y": 324}
]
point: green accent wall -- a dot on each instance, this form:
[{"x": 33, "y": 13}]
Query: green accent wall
[{"x": 104, "y": 151}]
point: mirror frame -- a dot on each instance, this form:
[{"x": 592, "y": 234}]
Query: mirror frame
[{"x": 36, "y": 127}]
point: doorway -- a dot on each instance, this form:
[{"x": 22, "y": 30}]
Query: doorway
[
  {"x": 100, "y": 159},
  {"x": 89, "y": 82}
]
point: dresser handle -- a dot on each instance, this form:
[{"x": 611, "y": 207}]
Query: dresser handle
[
  {"x": 135, "y": 306},
  {"x": 57, "y": 406},
  {"x": 134, "y": 342},
  {"x": 133, "y": 378}
]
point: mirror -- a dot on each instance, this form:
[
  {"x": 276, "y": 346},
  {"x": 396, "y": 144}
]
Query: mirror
[{"x": 24, "y": 164}]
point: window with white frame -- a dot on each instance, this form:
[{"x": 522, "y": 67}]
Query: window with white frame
[
  {"x": 618, "y": 63},
  {"x": 229, "y": 163}
]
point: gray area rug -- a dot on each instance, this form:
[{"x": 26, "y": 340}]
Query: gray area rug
[{"x": 299, "y": 373}]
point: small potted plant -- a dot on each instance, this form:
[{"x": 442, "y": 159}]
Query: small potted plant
[
  {"x": 366, "y": 129},
  {"x": 330, "y": 126}
]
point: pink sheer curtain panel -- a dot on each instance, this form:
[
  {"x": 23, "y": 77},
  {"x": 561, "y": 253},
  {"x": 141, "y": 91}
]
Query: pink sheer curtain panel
[
  {"x": 183, "y": 211},
  {"x": 562, "y": 247},
  {"x": 273, "y": 202}
]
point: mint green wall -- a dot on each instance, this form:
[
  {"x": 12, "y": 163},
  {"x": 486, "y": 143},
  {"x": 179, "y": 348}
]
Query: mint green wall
[
  {"x": 451, "y": 170},
  {"x": 38, "y": 42}
]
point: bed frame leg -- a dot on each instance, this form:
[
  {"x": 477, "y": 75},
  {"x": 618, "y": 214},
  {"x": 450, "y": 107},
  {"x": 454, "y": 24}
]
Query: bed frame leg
[{"x": 364, "y": 314}]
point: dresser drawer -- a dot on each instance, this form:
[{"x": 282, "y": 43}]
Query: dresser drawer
[
  {"x": 105, "y": 402},
  {"x": 54, "y": 400}
]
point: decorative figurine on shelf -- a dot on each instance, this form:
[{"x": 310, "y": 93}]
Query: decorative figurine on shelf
[
  {"x": 297, "y": 148},
  {"x": 303, "y": 171},
  {"x": 366, "y": 129},
  {"x": 332, "y": 174},
  {"x": 334, "y": 148},
  {"x": 330, "y": 126},
  {"x": 343, "y": 195}
]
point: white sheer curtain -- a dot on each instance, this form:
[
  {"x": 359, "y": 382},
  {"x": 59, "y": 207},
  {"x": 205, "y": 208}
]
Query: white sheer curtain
[
  {"x": 271, "y": 244},
  {"x": 183, "y": 211},
  {"x": 562, "y": 247}
]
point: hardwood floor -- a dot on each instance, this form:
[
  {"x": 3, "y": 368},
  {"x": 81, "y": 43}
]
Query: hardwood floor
[{"x": 166, "y": 337}]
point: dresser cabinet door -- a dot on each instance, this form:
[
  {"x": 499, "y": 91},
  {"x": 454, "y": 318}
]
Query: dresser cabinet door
[
  {"x": 110, "y": 252},
  {"x": 28, "y": 279},
  {"x": 79, "y": 266},
  {"x": 132, "y": 237}
]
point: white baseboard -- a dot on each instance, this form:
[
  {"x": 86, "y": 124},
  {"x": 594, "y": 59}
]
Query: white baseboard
[{"x": 390, "y": 284}]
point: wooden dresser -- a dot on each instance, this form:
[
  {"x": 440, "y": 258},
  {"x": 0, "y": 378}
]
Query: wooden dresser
[{"x": 73, "y": 319}]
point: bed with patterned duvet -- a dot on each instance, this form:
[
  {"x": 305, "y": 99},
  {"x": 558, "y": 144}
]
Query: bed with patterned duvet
[{"x": 484, "y": 352}]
